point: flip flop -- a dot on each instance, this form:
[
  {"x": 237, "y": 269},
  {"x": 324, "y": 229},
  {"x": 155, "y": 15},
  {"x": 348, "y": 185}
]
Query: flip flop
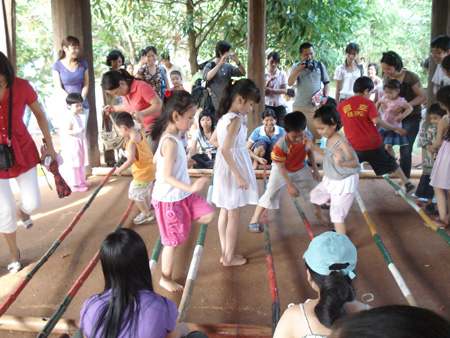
[
  {"x": 14, "y": 267},
  {"x": 255, "y": 227}
]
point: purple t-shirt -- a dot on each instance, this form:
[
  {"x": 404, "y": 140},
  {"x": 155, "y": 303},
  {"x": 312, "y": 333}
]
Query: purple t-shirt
[
  {"x": 72, "y": 82},
  {"x": 157, "y": 316}
]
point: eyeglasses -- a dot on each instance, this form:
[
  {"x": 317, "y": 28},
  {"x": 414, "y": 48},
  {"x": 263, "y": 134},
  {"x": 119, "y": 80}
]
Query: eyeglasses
[{"x": 436, "y": 53}]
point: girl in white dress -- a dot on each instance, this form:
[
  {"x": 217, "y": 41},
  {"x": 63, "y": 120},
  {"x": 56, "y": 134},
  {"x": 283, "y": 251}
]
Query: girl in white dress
[{"x": 234, "y": 177}]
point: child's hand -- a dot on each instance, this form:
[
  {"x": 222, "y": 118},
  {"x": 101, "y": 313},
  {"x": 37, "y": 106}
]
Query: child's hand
[
  {"x": 398, "y": 119},
  {"x": 400, "y": 131},
  {"x": 337, "y": 157},
  {"x": 199, "y": 184},
  {"x": 317, "y": 176},
  {"x": 119, "y": 171},
  {"x": 242, "y": 183},
  {"x": 307, "y": 142},
  {"x": 80, "y": 130},
  {"x": 293, "y": 190}
]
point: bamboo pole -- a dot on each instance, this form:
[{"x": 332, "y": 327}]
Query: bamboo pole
[
  {"x": 302, "y": 215},
  {"x": 387, "y": 258},
  {"x": 155, "y": 254}
]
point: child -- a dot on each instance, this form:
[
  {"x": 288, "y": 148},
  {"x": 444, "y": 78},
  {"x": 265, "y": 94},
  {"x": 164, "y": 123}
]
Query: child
[
  {"x": 340, "y": 167},
  {"x": 75, "y": 152},
  {"x": 440, "y": 48},
  {"x": 234, "y": 177},
  {"x": 177, "y": 80},
  {"x": 174, "y": 198},
  {"x": 446, "y": 70},
  {"x": 289, "y": 168},
  {"x": 207, "y": 153},
  {"x": 424, "y": 189},
  {"x": 290, "y": 95},
  {"x": 140, "y": 159},
  {"x": 440, "y": 179},
  {"x": 390, "y": 102},
  {"x": 359, "y": 116}
]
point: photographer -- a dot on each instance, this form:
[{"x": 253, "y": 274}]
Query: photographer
[{"x": 309, "y": 76}]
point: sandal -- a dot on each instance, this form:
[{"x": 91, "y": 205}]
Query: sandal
[
  {"x": 14, "y": 267},
  {"x": 255, "y": 227},
  {"x": 141, "y": 218},
  {"x": 28, "y": 224}
]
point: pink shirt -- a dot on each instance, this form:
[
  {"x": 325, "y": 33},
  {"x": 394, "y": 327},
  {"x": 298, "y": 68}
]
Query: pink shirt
[
  {"x": 275, "y": 100},
  {"x": 138, "y": 99}
]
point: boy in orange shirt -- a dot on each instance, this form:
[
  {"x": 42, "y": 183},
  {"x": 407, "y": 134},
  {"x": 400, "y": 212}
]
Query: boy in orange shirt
[{"x": 289, "y": 168}]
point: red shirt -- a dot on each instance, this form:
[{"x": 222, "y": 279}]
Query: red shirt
[
  {"x": 26, "y": 155},
  {"x": 357, "y": 114},
  {"x": 293, "y": 155},
  {"x": 139, "y": 97}
]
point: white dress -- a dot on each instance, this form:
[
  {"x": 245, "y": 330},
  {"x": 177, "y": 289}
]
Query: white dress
[{"x": 226, "y": 193}]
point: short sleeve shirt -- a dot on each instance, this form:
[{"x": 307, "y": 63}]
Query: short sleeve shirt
[
  {"x": 440, "y": 78},
  {"x": 292, "y": 155},
  {"x": 141, "y": 93},
  {"x": 72, "y": 82},
  {"x": 357, "y": 114},
  {"x": 220, "y": 80},
  {"x": 26, "y": 155},
  {"x": 275, "y": 100},
  {"x": 260, "y": 134},
  {"x": 203, "y": 142},
  {"x": 157, "y": 316}
]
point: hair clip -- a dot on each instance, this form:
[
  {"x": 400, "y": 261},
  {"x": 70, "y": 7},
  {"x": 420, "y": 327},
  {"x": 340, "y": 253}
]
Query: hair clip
[
  {"x": 332, "y": 120},
  {"x": 167, "y": 93}
]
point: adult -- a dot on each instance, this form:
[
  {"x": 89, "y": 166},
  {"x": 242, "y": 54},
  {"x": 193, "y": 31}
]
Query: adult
[
  {"x": 393, "y": 321},
  {"x": 372, "y": 72},
  {"x": 26, "y": 157},
  {"x": 170, "y": 67},
  {"x": 115, "y": 60},
  {"x": 263, "y": 138},
  {"x": 218, "y": 73},
  {"x": 309, "y": 76},
  {"x": 206, "y": 154},
  {"x": 412, "y": 91},
  {"x": 276, "y": 87},
  {"x": 71, "y": 74},
  {"x": 347, "y": 73},
  {"x": 136, "y": 96},
  {"x": 152, "y": 73},
  {"x": 140, "y": 61},
  {"x": 128, "y": 306},
  {"x": 330, "y": 264}
]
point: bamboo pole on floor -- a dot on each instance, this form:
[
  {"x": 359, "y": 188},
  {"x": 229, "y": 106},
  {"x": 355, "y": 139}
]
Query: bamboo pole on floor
[
  {"x": 387, "y": 258},
  {"x": 55, "y": 245},
  {"x": 302, "y": 215},
  {"x": 193, "y": 268},
  {"x": 419, "y": 211},
  {"x": 155, "y": 254},
  {"x": 77, "y": 285}
]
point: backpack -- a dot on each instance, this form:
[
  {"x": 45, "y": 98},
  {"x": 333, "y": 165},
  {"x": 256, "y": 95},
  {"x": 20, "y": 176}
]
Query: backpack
[{"x": 202, "y": 95}]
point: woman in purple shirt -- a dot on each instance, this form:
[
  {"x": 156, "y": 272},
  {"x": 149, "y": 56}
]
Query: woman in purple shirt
[{"x": 71, "y": 74}]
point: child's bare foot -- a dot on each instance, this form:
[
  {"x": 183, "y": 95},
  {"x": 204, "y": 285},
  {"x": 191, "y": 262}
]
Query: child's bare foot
[
  {"x": 322, "y": 220},
  {"x": 235, "y": 261},
  {"x": 170, "y": 285},
  {"x": 238, "y": 256}
]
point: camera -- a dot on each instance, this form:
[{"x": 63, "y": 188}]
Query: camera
[{"x": 309, "y": 64}]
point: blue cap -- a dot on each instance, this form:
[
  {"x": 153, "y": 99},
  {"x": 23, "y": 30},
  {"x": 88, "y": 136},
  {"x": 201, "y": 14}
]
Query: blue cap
[{"x": 328, "y": 249}]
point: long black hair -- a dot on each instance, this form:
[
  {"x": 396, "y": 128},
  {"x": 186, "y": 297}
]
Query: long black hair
[
  {"x": 179, "y": 101},
  {"x": 351, "y": 47},
  {"x": 126, "y": 271},
  {"x": 335, "y": 290},
  {"x": 245, "y": 88},
  {"x": 443, "y": 96},
  {"x": 329, "y": 116},
  {"x": 111, "y": 80},
  {"x": 392, "y": 59},
  {"x": 206, "y": 113},
  {"x": 7, "y": 70}
]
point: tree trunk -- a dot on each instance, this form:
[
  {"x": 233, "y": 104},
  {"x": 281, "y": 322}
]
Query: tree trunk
[
  {"x": 191, "y": 40},
  {"x": 132, "y": 52}
]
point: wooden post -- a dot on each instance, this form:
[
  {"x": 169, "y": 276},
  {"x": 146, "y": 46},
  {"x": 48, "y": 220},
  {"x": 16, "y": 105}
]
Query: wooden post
[
  {"x": 256, "y": 46},
  {"x": 8, "y": 30},
  {"x": 73, "y": 17}
]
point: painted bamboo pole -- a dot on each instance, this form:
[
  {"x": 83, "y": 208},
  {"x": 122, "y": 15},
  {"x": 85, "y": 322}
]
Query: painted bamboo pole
[
  {"x": 271, "y": 266},
  {"x": 193, "y": 268},
  {"x": 387, "y": 258},
  {"x": 419, "y": 210},
  {"x": 155, "y": 254},
  {"x": 77, "y": 285},
  {"x": 302, "y": 215},
  {"x": 5, "y": 306}
]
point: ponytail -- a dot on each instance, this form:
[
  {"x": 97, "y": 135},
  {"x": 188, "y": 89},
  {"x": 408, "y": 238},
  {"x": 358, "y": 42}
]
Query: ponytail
[
  {"x": 245, "y": 88},
  {"x": 335, "y": 290},
  {"x": 178, "y": 101}
]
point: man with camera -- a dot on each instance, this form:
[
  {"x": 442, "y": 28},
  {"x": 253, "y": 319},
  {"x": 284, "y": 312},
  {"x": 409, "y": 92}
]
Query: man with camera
[
  {"x": 310, "y": 95},
  {"x": 218, "y": 73}
]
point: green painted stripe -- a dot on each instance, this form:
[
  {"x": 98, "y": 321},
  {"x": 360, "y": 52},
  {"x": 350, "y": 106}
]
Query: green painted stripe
[{"x": 382, "y": 248}]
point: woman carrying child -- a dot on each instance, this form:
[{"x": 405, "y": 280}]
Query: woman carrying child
[
  {"x": 440, "y": 179},
  {"x": 174, "y": 199},
  {"x": 263, "y": 138},
  {"x": 234, "y": 177},
  {"x": 330, "y": 268},
  {"x": 340, "y": 165},
  {"x": 206, "y": 155},
  {"x": 392, "y": 113}
]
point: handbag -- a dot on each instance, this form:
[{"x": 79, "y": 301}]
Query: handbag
[
  {"x": 6, "y": 152},
  {"x": 111, "y": 139}
]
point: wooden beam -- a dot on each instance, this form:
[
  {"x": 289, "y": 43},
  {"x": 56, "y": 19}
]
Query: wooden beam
[
  {"x": 73, "y": 17},
  {"x": 8, "y": 30},
  {"x": 256, "y": 47}
]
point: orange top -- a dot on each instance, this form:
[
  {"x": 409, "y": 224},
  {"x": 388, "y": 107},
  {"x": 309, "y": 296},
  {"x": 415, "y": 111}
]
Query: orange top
[{"x": 143, "y": 169}]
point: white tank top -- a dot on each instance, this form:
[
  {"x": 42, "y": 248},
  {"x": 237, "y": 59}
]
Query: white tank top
[{"x": 163, "y": 191}]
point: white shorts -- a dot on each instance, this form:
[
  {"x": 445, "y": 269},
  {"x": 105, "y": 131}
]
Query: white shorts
[{"x": 138, "y": 191}]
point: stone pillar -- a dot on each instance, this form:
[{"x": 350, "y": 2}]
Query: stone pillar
[
  {"x": 256, "y": 47},
  {"x": 73, "y": 17},
  {"x": 8, "y": 30}
]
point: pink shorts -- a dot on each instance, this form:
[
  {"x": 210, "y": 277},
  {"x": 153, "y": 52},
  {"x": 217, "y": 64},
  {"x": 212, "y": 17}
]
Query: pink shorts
[
  {"x": 339, "y": 204},
  {"x": 174, "y": 218}
]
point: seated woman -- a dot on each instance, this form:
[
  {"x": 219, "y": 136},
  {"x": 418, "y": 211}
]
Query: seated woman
[
  {"x": 206, "y": 155},
  {"x": 330, "y": 264},
  {"x": 128, "y": 307},
  {"x": 263, "y": 138}
]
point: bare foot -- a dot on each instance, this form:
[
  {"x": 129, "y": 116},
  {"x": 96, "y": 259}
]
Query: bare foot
[
  {"x": 170, "y": 285},
  {"x": 237, "y": 256},
  {"x": 322, "y": 220},
  {"x": 235, "y": 261},
  {"x": 255, "y": 165}
]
